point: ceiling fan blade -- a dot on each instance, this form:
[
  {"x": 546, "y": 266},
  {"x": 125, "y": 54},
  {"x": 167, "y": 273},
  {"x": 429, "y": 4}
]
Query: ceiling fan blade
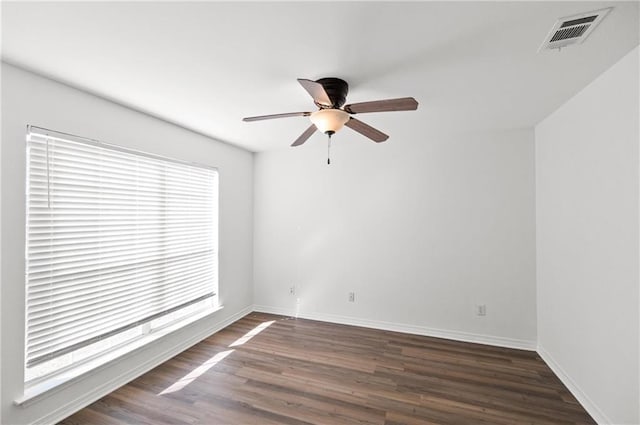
[
  {"x": 366, "y": 130},
  {"x": 401, "y": 104},
  {"x": 304, "y": 136},
  {"x": 270, "y": 117},
  {"x": 316, "y": 90}
]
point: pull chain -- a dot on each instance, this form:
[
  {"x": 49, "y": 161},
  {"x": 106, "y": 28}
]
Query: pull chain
[{"x": 329, "y": 151}]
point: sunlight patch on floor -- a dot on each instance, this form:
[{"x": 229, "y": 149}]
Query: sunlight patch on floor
[
  {"x": 195, "y": 373},
  {"x": 255, "y": 331}
]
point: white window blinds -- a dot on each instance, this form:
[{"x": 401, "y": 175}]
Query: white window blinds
[{"x": 114, "y": 239}]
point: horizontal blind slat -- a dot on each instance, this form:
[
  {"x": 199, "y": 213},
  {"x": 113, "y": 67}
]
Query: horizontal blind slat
[
  {"x": 75, "y": 302},
  {"x": 118, "y": 287},
  {"x": 47, "y": 352},
  {"x": 110, "y": 309}
]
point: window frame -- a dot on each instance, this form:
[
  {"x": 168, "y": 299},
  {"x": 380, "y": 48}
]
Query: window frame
[{"x": 149, "y": 330}]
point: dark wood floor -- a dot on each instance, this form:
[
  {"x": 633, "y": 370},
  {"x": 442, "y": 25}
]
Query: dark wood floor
[{"x": 295, "y": 371}]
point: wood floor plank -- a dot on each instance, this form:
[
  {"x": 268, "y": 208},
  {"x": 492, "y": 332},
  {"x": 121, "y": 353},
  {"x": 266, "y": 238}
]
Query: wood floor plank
[{"x": 267, "y": 369}]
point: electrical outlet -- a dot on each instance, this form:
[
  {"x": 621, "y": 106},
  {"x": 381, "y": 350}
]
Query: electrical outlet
[
  {"x": 352, "y": 297},
  {"x": 481, "y": 310},
  {"x": 292, "y": 290}
]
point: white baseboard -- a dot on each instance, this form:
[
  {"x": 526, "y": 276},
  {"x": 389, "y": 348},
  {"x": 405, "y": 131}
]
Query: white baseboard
[
  {"x": 120, "y": 380},
  {"x": 596, "y": 413},
  {"x": 520, "y": 344}
]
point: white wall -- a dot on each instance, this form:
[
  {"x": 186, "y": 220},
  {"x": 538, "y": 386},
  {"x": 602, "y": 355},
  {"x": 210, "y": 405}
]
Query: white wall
[
  {"x": 420, "y": 229},
  {"x": 28, "y": 99},
  {"x": 587, "y": 183}
]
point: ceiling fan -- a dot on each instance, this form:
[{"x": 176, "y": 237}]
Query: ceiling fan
[{"x": 329, "y": 95}]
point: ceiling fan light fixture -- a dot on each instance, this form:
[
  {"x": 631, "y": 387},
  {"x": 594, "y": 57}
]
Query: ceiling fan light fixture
[{"x": 329, "y": 120}]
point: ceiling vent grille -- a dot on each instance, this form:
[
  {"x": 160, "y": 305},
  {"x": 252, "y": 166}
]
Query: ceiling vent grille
[{"x": 573, "y": 29}]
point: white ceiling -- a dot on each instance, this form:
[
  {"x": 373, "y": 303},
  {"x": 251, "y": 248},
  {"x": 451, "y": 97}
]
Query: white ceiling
[{"x": 471, "y": 65}]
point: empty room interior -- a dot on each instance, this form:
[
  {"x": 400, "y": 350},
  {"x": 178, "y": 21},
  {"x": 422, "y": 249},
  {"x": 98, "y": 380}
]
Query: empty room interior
[{"x": 320, "y": 212}]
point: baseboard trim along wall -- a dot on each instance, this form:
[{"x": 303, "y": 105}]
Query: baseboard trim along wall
[
  {"x": 122, "y": 379},
  {"x": 595, "y": 412},
  {"x": 520, "y": 344}
]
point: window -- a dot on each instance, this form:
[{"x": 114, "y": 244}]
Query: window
[{"x": 118, "y": 243}]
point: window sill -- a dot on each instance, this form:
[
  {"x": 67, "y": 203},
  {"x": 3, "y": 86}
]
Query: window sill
[{"x": 57, "y": 382}]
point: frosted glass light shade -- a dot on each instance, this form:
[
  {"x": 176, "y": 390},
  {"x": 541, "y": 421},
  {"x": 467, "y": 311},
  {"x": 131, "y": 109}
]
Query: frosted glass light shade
[{"x": 329, "y": 119}]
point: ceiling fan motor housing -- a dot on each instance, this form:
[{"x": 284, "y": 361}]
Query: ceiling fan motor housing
[{"x": 337, "y": 90}]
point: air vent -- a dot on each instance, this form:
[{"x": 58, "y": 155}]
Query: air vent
[{"x": 573, "y": 29}]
